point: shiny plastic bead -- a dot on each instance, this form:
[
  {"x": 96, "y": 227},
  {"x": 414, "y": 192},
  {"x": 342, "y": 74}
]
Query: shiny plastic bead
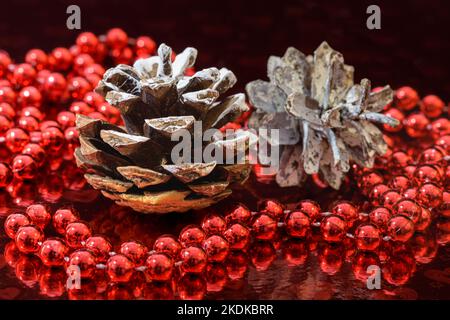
[
  {"x": 297, "y": 224},
  {"x": 119, "y": 268},
  {"x": 36, "y": 58},
  {"x": 347, "y": 211},
  {"x": 78, "y": 87},
  {"x": 333, "y": 228},
  {"x": 431, "y": 156},
  {"x": 85, "y": 260},
  {"x": 416, "y": 125},
  {"x": 135, "y": 251},
  {"x": 432, "y": 106},
  {"x": 52, "y": 138},
  {"x": 367, "y": 237},
  {"x": 406, "y": 98},
  {"x": 7, "y": 95},
  {"x": 309, "y": 207},
  {"x": 369, "y": 180},
  {"x": 271, "y": 207},
  {"x": 60, "y": 59},
  {"x": 29, "y": 96},
  {"x": 264, "y": 227},
  {"x": 36, "y": 152},
  {"x": 5, "y": 175},
  {"x": 39, "y": 215},
  {"x": 100, "y": 247},
  {"x": 53, "y": 252},
  {"x": 14, "y": 222},
  {"x": 159, "y": 267},
  {"x": 237, "y": 236},
  {"x": 66, "y": 119},
  {"x": 400, "y": 183},
  {"x": 7, "y": 110},
  {"x": 145, "y": 46},
  {"x": 116, "y": 38},
  {"x": 193, "y": 260},
  {"x": 5, "y": 61},
  {"x": 427, "y": 173},
  {"x": 216, "y": 248},
  {"x": 430, "y": 195},
  {"x": 5, "y": 124},
  {"x": 408, "y": 208},
  {"x": 87, "y": 42},
  {"x": 24, "y": 75},
  {"x": 168, "y": 245},
  {"x": 29, "y": 239},
  {"x": 440, "y": 127},
  {"x": 399, "y": 160},
  {"x": 396, "y": 114},
  {"x": 240, "y": 214},
  {"x": 376, "y": 193},
  {"x": 380, "y": 217},
  {"x": 62, "y": 218},
  {"x": 54, "y": 86},
  {"x": 76, "y": 234},
  {"x": 28, "y": 123},
  {"x": 16, "y": 139},
  {"x": 410, "y": 193},
  {"x": 389, "y": 198},
  {"x": 213, "y": 224},
  {"x": 400, "y": 228},
  {"x": 24, "y": 167},
  {"x": 191, "y": 236}
]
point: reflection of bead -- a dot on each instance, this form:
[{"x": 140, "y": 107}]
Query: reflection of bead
[
  {"x": 5, "y": 175},
  {"x": 424, "y": 220}
]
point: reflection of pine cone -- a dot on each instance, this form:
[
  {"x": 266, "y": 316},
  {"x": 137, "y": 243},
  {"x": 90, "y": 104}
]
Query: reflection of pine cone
[
  {"x": 133, "y": 165},
  {"x": 323, "y": 117}
]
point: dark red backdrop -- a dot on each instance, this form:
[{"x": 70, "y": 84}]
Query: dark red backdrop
[{"x": 411, "y": 48}]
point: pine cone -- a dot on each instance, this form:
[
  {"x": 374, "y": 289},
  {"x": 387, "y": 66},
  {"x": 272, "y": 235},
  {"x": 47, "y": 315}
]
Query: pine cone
[
  {"x": 132, "y": 165},
  {"x": 325, "y": 120}
]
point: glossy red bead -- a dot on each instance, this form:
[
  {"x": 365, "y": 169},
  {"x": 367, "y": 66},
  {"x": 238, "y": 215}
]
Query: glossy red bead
[
  {"x": 36, "y": 152},
  {"x": 24, "y": 75},
  {"x": 400, "y": 183},
  {"x": 237, "y": 236},
  {"x": 29, "y": 96},
  {"x": 76, "y": 234},
  {"x": 16, "y": 139},
  {"x": 191, "y": 236},
  {"x": 6, "y": 175},
  {"x": 264, "y": 227},
  {"x": 427, "y": 173},
  {"x": 135, "y": 251},
  {"x": 309, "y": 207},
  {"x": 406, "y": 98},
  {"x": 52, "y": 138},
  {"x": 116, "y": 38},
  {"x": 39, "y": 215},
  {"x": 367, "y": 237},
  {"x": 66, "y": 119},
  {"x": 216, "y": 248},
  {"x": 346, "y": 210},
  {"x": 55, "y": 86},
  {"x": 78, "y": 87},
  {"x": 168, "y": 245},
  {"x": 53, "y": 252},
  {"x": 389, "y": 198},
  {"x": 416, "y": 125},
  {"x": 119, "y": 268},
  {"x": 80, "y": 107},
  {"x": 7, "y": 95},
  {"x": 36, "y": 58},
  {"x": 408, "y": 208},
  {"x": 24, "y": 167},
  {"x": 396, "y": 114},
  {"x": 431, "y": 156},
  {"x": 29, "y": 239},
  {"x": 400, "y": 228},
  {"x": 376, "y": 192},
  {"x": 432, "y": 106},
  {"x": 159, "y": 267},
  {"x": 193, "y": 260},
  {"x": 5, "y": 61},
  {"x": 145, "y": 46},
  {"x": 333, "y": 228},
  {"x": 100, "y": 247},
  {"x": 380, "y": 217},
  {"x": 87, "y": 42},
  {"x": 240, "y": 214},
  {"x": 28, "y": 124},
  {"x": 14, "y": 222},
  {"x": 440, "y": 127},
  {"x": 62, "y": 218},
  {"x": 430, "y": 195},
  {"x": 272, "y": 207},
  {"x": 60, "y": 59},
  {"x": 214, "y": 224},
  {"x": 7, "y": 110},
  {"x": 85, "y": 260},
  {"x": 297, "y": 224}
]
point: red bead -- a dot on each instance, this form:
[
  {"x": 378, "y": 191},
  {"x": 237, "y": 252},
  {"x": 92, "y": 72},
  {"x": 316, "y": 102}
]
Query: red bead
[
  {"x": 361, "y": 263},
  {"x": 5, "y": 61},
  {"x": 5, "y": 175},
  {"x": 380, "y": 217},
  {"x": 237, "y": 236},
  {"x": 168, "y": 245},
  {"x": 191, "y": 287},
  {"x": 216, "y": 277},
  {"x": 145, "y": 46},
  {"x": 193, "y": 260},
  {"x": 430, "y": 195},
  {"x": 28, "y": 123},
  {"x": 36, "y": 152},
  {"x": 427, "y": 173},
  {"x": 116, "y": 38},
  {"x": 7, "y": 110},
  {"x": 81, "y": 62},
  {"x": 409, "y": 171},
  {"x": 400, "y": 228},
  {"x": 400, "y": 183},
  {"x": 95, "y": 69},
  {"x": 376, "y": 192},
  {"x": 410, "y": 193},
  {"x": 87, "y": 42},
  {"x": 440, "y": 127},
  {"x": 24, "y": 75},
  {"x": 367, "y": 237},
  {"x": 29, "y": 96},
  {"x": 396, "y": 271},
  {"x": 431, "y": 156},
  {"x": 240, "y": 214},
  {"x": 14, "y": 222},
  {"x": 399, "y": 160},
  {"x": 28, "y": 239},
  {"x": 53, "y": 252},
  {"x": 119, "y": 268},
  {"x": 84, "y": 260},
  {"x": 135, "y": 251},
  {"x": 16, "y": 139},
  {"x": 272, "y": 207},
  {"x": 52, "y": 138},
  {"x": 347, "y": 211},
  {"x": 60, "y": 59},
  {"x": 159, "y": 267},
  {"x": 24, "y": 167},
  {"x": 416, "y": 125},
  {"x": 93, "y": 99},
  {"x": 110, "y": 112},
  {"x": 76, "y": 234},
  {"x": 406, "y": 98},
  {"x": 80, "y": 107},
  {"x": 62, "y": 218},
  {"x": 310, "y": 207},
  {"x": 5, "y": 125},
  {"x": 333, "y": 228},
  {"x": 78, "y": 87},
  {"x": 396, "y": 114},
  {"x": 369, "y": 180},
  {"x": 432, "y": 106},
  {"x": 71, "y": 134},
  {"x": 39, "y": 215},
  {"x": 297, "y": 224},
  {"x": 7, "y": 95},
  {"x": 213, "y": 224},
  {"x": 36, "y": 58},
  {"x": 389, "y": 198},
  {"x": 31, "y": 111},
  {"x": 97, "y": 115},
  {"x": 424, "y": 221},
  {"x": 264, "y": 227},
  {"x": 191, "y": 236},
  {"x": 408, "y": 208},
  {"x": 100, "y": 247},
  {"x": 216, "y": 248},
  {"x": 66, "y": 119},
  {"x": 55, "y": 86}
]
